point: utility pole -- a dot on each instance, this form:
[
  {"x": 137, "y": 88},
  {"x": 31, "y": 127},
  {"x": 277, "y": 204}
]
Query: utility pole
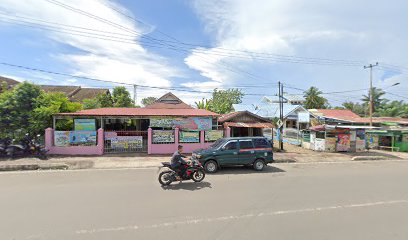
[
  {"x": 371, "y": 90},
  {"x": 280, "y": 115},
  {"x": 134, "y": 93}
]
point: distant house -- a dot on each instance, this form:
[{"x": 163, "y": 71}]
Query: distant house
[
  {"x": 338, "y": 116},
  {"x": 244, "y": 124},
  {"x": 76, "y": 93},
  {"x": 10, "y": 83}
]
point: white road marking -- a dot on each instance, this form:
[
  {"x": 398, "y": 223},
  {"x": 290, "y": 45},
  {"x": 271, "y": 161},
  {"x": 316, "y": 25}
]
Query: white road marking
[{"x": 238, "y": 217}]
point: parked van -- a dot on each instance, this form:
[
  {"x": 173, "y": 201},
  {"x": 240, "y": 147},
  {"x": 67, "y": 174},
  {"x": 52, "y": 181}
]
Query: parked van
[{"x": 247, "y": 151}]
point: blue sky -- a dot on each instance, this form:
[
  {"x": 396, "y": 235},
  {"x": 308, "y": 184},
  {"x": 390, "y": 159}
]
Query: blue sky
[{"x": 202, "y": 44}]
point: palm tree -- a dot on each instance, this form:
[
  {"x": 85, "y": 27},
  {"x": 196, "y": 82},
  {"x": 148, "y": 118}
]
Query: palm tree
[
  {"x": 313, "y": 99},
  {"x": 377, "y": 100}
]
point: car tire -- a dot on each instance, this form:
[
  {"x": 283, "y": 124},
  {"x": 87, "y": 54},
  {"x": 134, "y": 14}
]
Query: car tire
[
  {"x": 211, "y": 166},
  {"x": 259, "y": 165}
]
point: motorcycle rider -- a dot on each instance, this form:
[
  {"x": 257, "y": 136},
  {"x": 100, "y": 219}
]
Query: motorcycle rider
[{"x": 179, "y": 161}]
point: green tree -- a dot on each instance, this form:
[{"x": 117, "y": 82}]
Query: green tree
[
  {"x": 377, "y": 98},
  {"x": 121, "y": 97},
  {"x": 100, "y": 101},
  {"x": 203, "y": 104},
  {"x": 148, "y": 101},
  {"x": 48, "y": 104},
  {"x": 222, "y": 100},
  {"x": 357, "y": 108},
  {"x": 314, "y": 100}
]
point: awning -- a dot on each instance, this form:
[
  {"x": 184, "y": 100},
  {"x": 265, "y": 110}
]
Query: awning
[{"x": 248, "y": 125}]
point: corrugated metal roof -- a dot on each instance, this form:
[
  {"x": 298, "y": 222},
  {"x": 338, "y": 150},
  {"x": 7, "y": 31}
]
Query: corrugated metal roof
[{"x": 248, "y": 125}]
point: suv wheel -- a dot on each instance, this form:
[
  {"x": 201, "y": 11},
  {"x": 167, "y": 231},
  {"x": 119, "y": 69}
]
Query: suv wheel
[
  {"x": 259, "y": 165},
  {"x": 211, "y": 166}
]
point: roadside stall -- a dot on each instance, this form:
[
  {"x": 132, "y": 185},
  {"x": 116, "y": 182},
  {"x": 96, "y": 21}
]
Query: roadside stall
[{"x": 393, "y": 139}]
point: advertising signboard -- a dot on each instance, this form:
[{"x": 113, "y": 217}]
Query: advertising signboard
[
  {"x": 61, "y": 138},
  {"x": 163, "y": 136},
  {"x": 125, "y": 142},
  {"x": 84, "y": 124},
  {"x": 303, "y": 117},
  {"x": 82, "y": 137},
  {"x": 189, "y": 137},
  {"x": 343, "y": 143},
  {"x": 213, "y": 135}
]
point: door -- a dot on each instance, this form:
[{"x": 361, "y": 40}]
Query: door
[
  {"x": 228, "y": 154},
  {"x": 246, "y": 152}
]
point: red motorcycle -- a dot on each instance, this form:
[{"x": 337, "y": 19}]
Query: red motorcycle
[{"x": 194, "y": 171}]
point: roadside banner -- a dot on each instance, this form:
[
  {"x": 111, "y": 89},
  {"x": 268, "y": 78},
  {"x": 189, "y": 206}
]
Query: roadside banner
[
  {"x": 82, "y": 137},
  {"x": 163, "y": 136},
  {"x": 84, "y": 124},
  {"x": 213, "y": 135},
  {"x": 61, "y": 138},
  {"x": 343, "y": 143},
  {"x": 161, "y": 122},
  {"x": 125, "y": 142},
  {"x": 187, "y": 124},
  {"x": 189, "y": 137}
]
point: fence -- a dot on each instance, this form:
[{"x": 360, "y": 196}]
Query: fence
[{"x": 125, "y": 141}]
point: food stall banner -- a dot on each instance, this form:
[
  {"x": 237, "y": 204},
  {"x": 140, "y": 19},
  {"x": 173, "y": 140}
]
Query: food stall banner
[
  {"x": 189, "y": 137},
  {"x": 213, "y": 135},
  {"x": 84, "y": 124},
  {"x": 163, "y": 136},
  {"x": 330, "y": 144},
  {"x": 82, "y": 137},
  {"x": 125, "y": 142},
  {"x": 343, "y": 143},
  {"x": 361, "y": 134},
  {"x": 61, "y": 138}
]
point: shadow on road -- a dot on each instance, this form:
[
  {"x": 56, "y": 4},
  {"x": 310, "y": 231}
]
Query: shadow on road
[
  {"x": 247, "y": 170},
  {"x": 191, "y": 186}
]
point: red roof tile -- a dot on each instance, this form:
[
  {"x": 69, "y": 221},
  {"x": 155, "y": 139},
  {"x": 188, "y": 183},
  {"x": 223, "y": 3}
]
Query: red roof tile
[
  {"x": 248, "y": 125},
  {"x": 142, "y": 112},
  {"x": 337, "y": 113}
]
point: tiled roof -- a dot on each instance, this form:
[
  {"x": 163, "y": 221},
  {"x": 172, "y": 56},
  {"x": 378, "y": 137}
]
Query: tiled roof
[
  {"x": 169, "y": 101},
  {"x": 10, "y": 82},
  {"x": 230, "y": 116},
  {"x": 67, "y": 90},
  {"x": 85, "y": 93},
  {"x": 248, "y": 125},
  {"x": 142, "y": 112}
]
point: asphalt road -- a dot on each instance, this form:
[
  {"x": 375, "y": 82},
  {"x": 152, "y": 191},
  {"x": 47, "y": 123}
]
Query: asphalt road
[{"x": 287, "y": 201}]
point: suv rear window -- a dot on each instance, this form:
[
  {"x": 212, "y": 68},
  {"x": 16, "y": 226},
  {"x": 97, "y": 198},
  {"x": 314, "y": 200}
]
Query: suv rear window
[
  {"x": 246, "y": 144},
  {"x": 261, "y": 143}
]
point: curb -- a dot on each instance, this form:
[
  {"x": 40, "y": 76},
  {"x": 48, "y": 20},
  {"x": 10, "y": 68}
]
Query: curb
[
  {"x": 365, "y": 158},
  {"x": 31, "y": 167}
]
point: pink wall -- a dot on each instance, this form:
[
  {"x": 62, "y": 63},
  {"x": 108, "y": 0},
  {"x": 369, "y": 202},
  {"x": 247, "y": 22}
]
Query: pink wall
[
  {"x": 171, "y": 148},
  {"x": 73, "y": 150}
]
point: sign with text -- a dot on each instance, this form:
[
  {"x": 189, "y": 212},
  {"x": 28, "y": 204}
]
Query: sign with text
[
  {"x": 125, "y": 142},
  {"x": 163, "y": 136},
  {"x": 303, "y": 117},
  {"x": 188, "y": 124},
  {"x": 213, "y": 135},
  {"x": 84, "y": 124},
  {"x": 61, "y": 138},
  {"x": 82, "y": 137},
  {"x": 189, "y": 137}
]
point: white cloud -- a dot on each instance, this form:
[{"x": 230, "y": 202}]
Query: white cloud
[
  {"x": 108, "y": 60},
  {"x": 353, "y": 30}
]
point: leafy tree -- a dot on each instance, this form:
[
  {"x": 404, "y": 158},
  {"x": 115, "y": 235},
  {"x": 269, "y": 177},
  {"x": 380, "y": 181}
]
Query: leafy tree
[
  {"x": 100, "y": 101},
  {"x": 121, "y": 97},
  {"x": 148, "y": 101},
  {"x": 48, "y": 104},
  {"x": 357, "y": 108},
  {"x": 222, "y": 100},
  {"x": 313, "y": 100},
  {"x": 203, "y": 104},
  {"x": 377, "y": 98}
]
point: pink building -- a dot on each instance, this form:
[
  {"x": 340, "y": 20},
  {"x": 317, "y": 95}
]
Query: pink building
[{"x": 155, "y": 129}]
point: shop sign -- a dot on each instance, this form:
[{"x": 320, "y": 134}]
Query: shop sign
[
  {"x": 343, "y": 143},
  {"x": 213, "y": 135},
  {"x": 82, "y": 137},
  {"x": 189, "y": 137},
  {"x": 84, "y": 124},
  {"x": 61, "y": 138},
  {"x": 125, "y": 142},
  {"x": 163, "y": 136}
]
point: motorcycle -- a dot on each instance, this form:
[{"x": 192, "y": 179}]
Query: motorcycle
[
  {"x": 194, "y": 171},
  {"x": 27, "y": 147},
  {"x": 3, "y": 146}
]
